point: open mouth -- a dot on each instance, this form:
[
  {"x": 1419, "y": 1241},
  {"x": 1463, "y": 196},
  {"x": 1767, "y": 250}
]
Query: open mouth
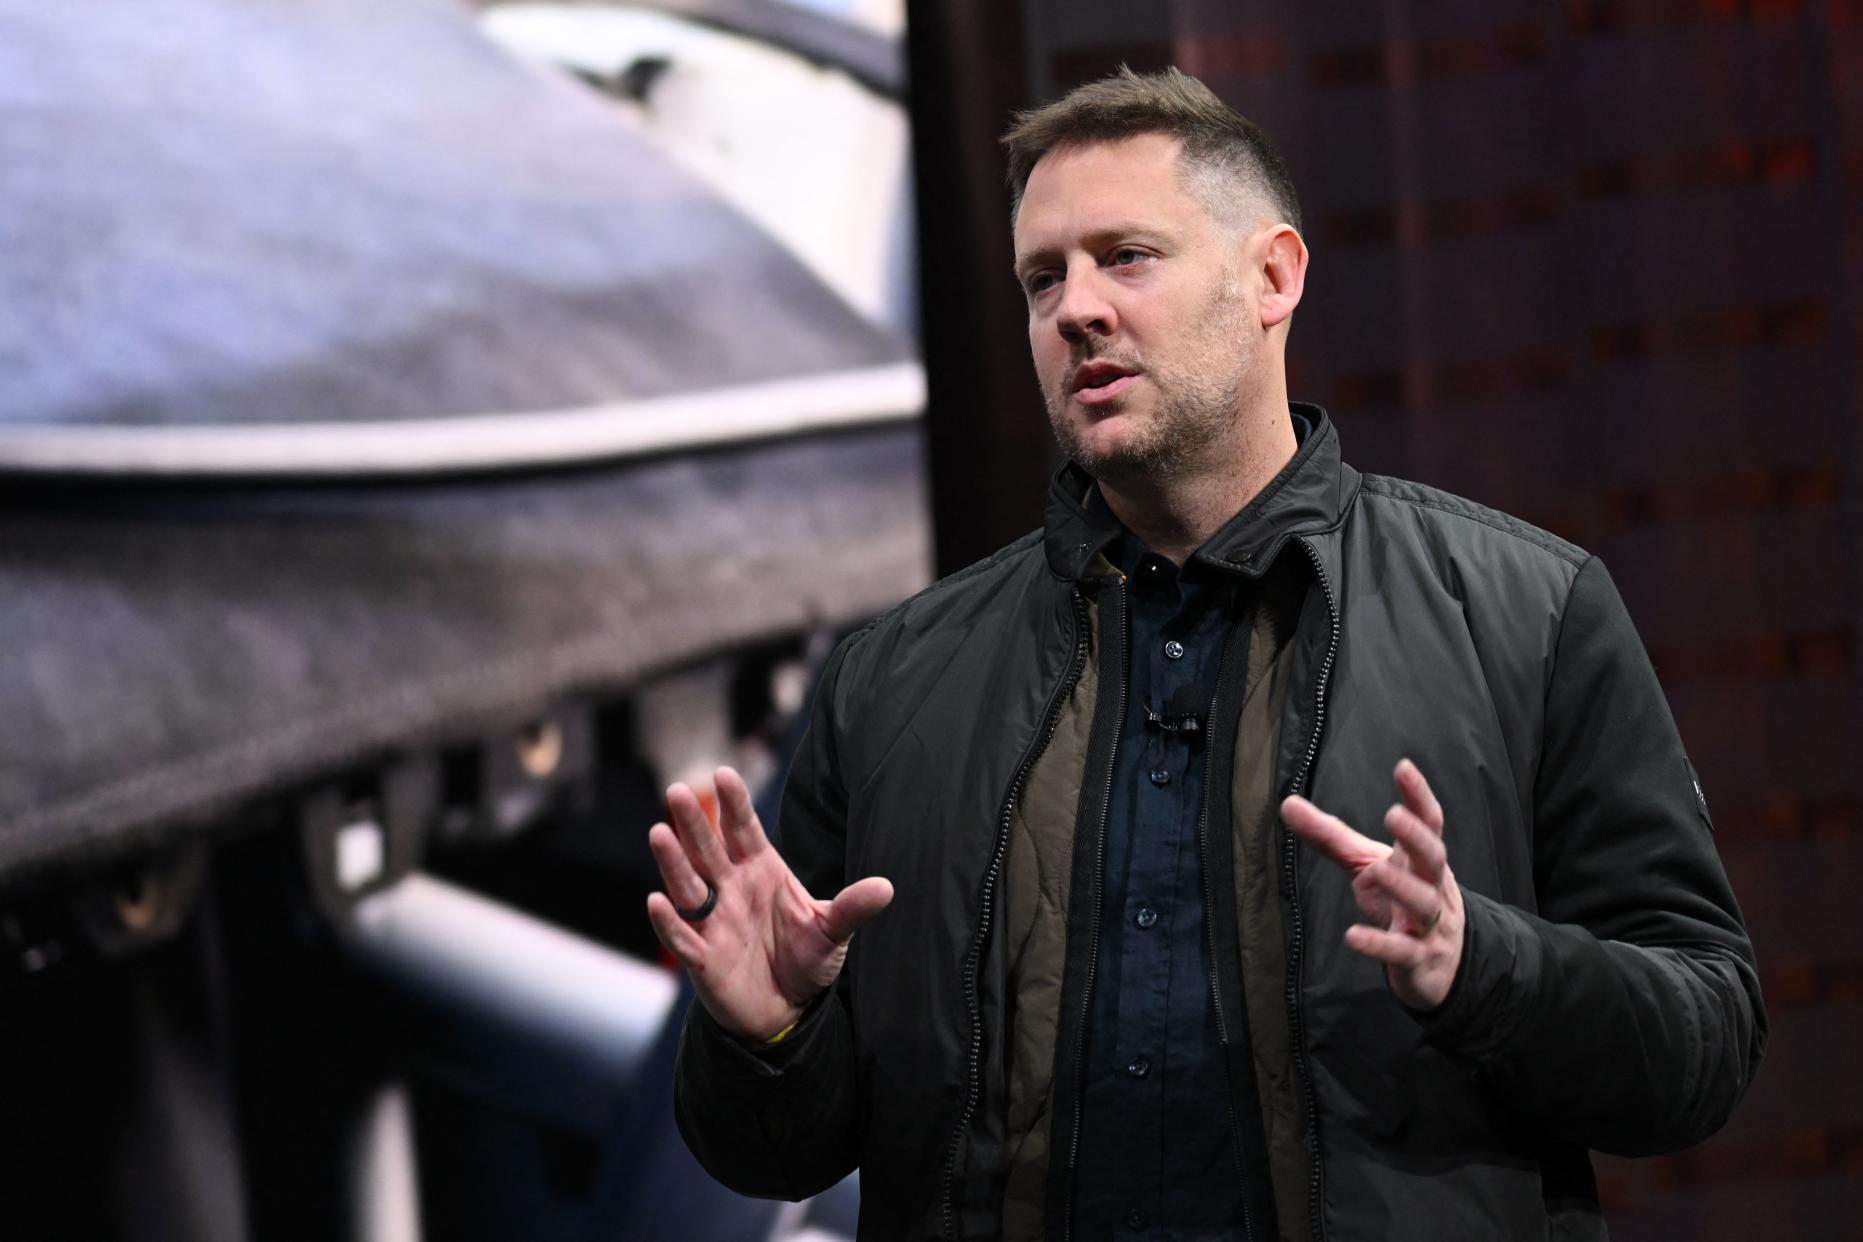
[{"x": 1097, "y": 382}]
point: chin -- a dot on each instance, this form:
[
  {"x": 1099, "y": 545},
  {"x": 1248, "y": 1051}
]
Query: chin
[
  {"x": 1115, "y": 464},
  {"x": 1106, "y": 441},
  {"x": 1123, "y": 470},
  {"x": 1108, "y": 445}
]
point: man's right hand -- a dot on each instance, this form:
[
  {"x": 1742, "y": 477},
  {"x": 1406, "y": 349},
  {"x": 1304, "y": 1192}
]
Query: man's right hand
[{"x": 767, "y": 948}]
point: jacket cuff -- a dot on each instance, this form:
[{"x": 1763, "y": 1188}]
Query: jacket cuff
[
  {"x": 1498, "y": 972},
  {"x": 761, "y": 1060}
]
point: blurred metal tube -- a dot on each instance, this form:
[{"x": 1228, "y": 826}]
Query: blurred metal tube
[
  {"x": 385, "y": 1188},
  {"x": 508, "y": 1002}
]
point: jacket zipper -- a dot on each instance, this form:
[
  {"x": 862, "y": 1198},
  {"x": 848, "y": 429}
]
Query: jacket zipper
[
  {"x": 1296, "y": 1030},
  {"x": 1210, "y": 935},
  {"x": 1093, "y": 925},
  {"x": 1209, "y": 932},
  {"x": 973, "y": 960}
]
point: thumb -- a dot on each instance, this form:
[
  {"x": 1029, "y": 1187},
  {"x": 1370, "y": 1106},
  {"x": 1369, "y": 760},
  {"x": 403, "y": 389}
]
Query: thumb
[{"x": 854, "y": 905}]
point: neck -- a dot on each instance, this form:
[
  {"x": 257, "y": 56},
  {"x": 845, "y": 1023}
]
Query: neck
[{"x": 1175, "y": 512}]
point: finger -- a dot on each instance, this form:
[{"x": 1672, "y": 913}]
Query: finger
[
  {"x": 1391, "y": 948},
  {"x": 1422, "y": 845},
  {"x": 1420, "y": 899},
  {"x": 743, "y": 833},
  {"x": 1331, "y": 834},
  {"x": 684, "y": 885},
  {"x": 854, "y": 905},
  {"x": 695, "y": 831},
  {"x": 1416, "y": 794},
  {"x": 681, "y": 939},
  {"x": 1373, "y": 902}
]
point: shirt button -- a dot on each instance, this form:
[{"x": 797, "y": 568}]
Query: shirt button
[
  {"x": 1138, "y": 1067},
  {"x": 1146, "y": 917},
  {"x": 1135, "y": 1219},
  {"x": 1174, "y": 650},
  {"x": 1160, "y": 777}
]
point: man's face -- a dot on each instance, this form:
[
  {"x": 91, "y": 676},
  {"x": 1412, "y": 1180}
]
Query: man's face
[{"x": 1139, "y": 320}]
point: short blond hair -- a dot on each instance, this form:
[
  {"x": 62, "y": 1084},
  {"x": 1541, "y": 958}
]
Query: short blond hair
[{"x": 1227, "y": 159}]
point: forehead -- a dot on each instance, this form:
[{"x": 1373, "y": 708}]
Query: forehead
[{"x": 1074, "y": 190}]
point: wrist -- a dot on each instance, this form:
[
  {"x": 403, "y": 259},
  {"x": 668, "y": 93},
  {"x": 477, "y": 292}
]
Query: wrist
[
  {"x": 759, "y": 1033},
  {"x": 762, "y": 1034},
  {"x": 794, "y": 1027}
]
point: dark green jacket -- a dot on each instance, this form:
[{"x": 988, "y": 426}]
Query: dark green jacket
[{"x": 1607, "y": 997}]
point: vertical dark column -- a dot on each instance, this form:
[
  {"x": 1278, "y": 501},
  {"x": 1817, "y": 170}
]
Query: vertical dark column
[
  {"x": 987, "y": 437},
  {"x": 297, "y": 1042}
]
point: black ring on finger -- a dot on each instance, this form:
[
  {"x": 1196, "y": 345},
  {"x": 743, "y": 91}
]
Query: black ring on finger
[{"x": 705, "y": 908}]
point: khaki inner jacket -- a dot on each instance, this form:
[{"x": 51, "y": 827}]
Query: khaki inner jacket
[{"x": 1039, "y": 881}]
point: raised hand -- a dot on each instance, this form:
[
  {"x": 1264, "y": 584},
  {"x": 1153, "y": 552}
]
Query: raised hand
[
  {"x": 765, "y": 948},
  {"x": 1411, "y": 902}
]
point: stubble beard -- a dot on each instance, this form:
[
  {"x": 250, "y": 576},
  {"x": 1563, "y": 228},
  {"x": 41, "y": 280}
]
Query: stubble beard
[{"x": 1193, "y": 411}]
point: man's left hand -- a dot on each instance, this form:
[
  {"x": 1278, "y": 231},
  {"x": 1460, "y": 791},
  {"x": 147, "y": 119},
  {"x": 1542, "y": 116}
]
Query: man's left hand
[{"x": 1412, "y": 906}]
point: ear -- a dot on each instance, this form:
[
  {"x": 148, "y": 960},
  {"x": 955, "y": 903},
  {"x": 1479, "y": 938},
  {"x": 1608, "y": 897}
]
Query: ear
[{"x": 1283, "y": 259}]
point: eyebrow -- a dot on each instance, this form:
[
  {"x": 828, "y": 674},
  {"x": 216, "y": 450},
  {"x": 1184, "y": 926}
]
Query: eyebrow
[{"x": 1096, "y": 240}]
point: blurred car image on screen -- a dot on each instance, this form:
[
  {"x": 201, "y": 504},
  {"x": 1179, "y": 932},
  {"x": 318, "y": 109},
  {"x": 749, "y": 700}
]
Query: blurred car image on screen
[{"x": 426, "y": 430}]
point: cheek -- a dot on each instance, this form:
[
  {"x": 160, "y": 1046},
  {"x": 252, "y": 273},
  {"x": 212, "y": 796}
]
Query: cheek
[{"x": 1049, "y": 353}]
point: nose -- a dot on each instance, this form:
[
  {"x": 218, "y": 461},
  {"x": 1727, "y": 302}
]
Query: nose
[{"x": 1084, "y": 309}]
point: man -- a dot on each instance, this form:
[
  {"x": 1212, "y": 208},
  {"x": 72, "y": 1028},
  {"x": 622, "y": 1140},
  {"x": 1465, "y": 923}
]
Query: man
[{"x": 1132, "y": 980}]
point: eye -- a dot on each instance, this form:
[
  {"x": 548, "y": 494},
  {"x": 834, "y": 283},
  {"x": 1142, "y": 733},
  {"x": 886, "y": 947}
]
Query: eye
[
  {"x": 1040, "y": 282},
  {"x": 1126, "y": 256}
]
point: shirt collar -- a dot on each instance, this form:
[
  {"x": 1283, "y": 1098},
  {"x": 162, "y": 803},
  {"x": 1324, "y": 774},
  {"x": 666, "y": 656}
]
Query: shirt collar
[{"x": 1082, "y": 537}]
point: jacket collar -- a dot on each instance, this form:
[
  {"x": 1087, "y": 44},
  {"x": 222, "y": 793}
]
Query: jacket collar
[{"x": 1312, "y": 494}]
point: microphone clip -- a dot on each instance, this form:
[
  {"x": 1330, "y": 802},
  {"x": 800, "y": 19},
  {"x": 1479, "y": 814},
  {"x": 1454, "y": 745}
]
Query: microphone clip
[{"x": 1180, "y": 716}]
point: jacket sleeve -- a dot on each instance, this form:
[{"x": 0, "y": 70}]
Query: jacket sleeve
[
  {"x": 783, "y": 1122},
  {"x": 1626, "y": 1014}
]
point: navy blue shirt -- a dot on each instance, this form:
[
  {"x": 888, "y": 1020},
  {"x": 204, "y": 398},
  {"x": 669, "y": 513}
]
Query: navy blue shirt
[{"x": 1156, "y": 1147}]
